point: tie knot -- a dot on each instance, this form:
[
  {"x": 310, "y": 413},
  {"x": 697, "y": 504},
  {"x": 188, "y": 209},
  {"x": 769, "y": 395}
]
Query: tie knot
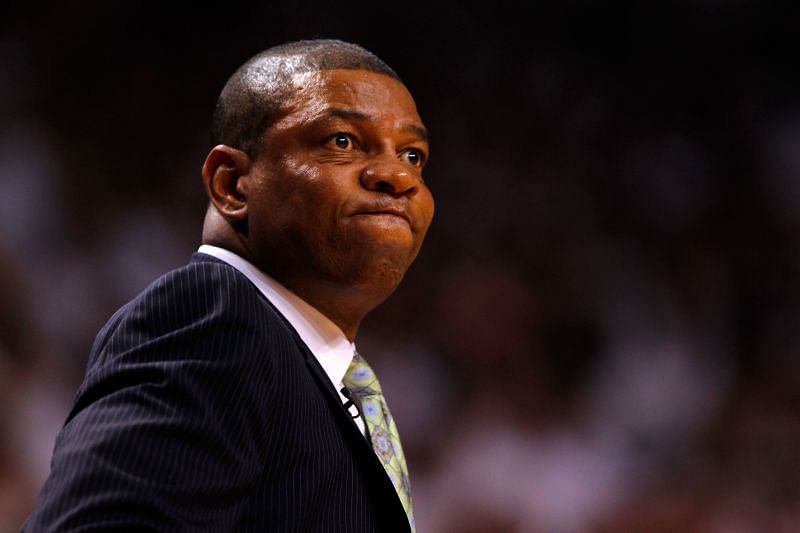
[{"x": 360, "y": 378}]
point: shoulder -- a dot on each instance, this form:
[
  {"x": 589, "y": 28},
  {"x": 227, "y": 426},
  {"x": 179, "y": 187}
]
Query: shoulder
[
  {"x": 172, "y": 419},
  {"x": 205, "y": 300},
  {"x": 204, "y": 282},
  {"x": 193, "y": 330}
]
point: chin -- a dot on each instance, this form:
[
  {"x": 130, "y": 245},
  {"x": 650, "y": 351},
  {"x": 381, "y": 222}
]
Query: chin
[
  {"x": 371, "y": 265},
  {"x": 381, "y": 276}
]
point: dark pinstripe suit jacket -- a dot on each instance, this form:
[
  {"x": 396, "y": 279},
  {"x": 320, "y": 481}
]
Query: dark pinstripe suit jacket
[{"x": 202, "y": 410}]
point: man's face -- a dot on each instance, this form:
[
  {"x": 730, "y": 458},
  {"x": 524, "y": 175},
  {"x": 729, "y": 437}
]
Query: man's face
[{"x": 337, "y": 192}]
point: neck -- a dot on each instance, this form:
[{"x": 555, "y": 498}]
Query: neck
[
  {"x": 344, "y": 303},
  {"x": 344, "y": 306}
]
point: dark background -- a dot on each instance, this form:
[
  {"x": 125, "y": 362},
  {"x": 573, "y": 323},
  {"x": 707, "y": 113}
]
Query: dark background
[{"x": 602, "y": 330}]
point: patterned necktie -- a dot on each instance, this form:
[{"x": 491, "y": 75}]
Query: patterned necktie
[{"x": 381, "y": 429}]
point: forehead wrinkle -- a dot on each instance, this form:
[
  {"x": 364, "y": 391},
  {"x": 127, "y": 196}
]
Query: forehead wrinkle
[
  {"x": 350, "y": 114},
  {"x": 420, "y": 131},
  {"x": 347, "y": 114}
]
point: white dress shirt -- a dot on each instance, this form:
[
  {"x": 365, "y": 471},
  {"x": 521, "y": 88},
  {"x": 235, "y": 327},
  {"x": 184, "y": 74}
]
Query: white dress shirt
[{"x": 324, "y": 338}]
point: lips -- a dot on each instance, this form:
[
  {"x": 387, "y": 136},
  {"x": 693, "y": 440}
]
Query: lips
[{"x": 390, "y": 210}]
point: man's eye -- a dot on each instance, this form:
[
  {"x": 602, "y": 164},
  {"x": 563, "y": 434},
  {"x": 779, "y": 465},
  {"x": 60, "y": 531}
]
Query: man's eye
[
  {"x": 342, "y": 141},
  {"x": 414, "y": 157}
]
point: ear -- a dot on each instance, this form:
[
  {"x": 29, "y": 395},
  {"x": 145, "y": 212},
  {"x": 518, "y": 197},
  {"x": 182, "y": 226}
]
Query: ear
[{"x": 223, "y": 171}]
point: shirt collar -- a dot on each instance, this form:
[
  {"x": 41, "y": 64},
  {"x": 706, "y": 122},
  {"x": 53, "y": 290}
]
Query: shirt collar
[{"x": 324, "y": 338}]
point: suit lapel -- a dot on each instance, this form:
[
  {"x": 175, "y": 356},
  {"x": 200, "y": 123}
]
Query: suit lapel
[
  {"x": 352, "y": 432},
  {"x": 363, "y": 448},
  {"x": 316, "y": 370},
  {"x": 333, "y": 398}
]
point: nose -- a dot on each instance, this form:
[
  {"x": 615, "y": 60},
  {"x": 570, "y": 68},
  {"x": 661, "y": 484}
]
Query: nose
[{"x": 390, "y": 176}]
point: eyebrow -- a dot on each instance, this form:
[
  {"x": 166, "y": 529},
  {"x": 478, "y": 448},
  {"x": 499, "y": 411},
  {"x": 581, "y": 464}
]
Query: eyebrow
[{"x": 349, "y": 114}]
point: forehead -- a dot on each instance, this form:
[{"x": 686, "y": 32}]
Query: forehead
[{"x": 382, "y": 98}]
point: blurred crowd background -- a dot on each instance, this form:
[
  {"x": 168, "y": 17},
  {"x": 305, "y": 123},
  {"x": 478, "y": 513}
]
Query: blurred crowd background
[{"x": 602, "y": 333}]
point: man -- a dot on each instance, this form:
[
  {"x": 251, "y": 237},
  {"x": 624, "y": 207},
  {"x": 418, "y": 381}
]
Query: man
[{"x": 226, "y": 396}]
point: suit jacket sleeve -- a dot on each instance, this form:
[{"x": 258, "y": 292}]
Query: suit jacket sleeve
[{"x": 161, "y": 436}]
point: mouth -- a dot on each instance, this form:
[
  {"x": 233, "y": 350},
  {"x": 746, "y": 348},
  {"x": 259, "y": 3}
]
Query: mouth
[{"x": 394, "y": 212}]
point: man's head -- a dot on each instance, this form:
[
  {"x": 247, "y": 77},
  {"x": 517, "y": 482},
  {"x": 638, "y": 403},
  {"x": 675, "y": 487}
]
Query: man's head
[
  {"x": 320, "y": 183},
  {"x": 254, "y": 97}
]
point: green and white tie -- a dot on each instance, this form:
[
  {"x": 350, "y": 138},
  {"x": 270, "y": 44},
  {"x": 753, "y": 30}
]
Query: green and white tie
[{"x": 381, "y": 429}]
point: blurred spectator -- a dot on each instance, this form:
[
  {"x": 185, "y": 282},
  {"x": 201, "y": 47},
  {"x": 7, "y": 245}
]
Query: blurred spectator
[{"x": 602, "y": 332}]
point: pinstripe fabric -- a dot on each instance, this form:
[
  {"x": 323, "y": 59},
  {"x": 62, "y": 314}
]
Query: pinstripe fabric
[{"x": 202, "y": 410}]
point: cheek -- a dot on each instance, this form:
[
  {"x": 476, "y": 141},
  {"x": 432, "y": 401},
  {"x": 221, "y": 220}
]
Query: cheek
[
  {"x": 300, "y": 185},
  {"x": 431, "y": 205},
  {"x": 306, "y": 172},
  {"x": 316, "y": 197},
  {"x": 427, "y": 207}
]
